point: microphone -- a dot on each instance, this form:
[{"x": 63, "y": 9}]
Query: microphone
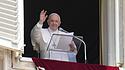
[{"x": 61, "y": 29}]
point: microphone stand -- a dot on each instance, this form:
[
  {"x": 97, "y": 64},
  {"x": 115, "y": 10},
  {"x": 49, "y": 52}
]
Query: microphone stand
[
  {"x": 61, "y": 29},
  {"x": 84, "y": 48}
]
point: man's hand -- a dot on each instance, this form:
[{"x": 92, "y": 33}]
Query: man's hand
[
  {"x": 43, "y": 16},
  {"x": 72, "y": 47}
]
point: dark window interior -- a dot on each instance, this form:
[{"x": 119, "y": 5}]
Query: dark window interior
[{"x": 80, "y": 16}]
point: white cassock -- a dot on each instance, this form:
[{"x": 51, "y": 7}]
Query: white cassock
[{"x": 40, "y": 38}]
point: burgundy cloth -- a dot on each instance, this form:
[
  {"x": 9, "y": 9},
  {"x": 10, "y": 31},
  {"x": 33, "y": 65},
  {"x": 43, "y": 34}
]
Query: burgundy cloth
[{"x": 62, "y": 65}]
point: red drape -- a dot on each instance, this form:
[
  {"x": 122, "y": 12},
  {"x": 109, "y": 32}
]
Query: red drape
[{"x": 62, "y": 65}]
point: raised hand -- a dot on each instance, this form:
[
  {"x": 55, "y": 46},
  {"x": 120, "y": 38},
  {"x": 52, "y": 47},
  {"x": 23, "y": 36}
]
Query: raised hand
[{"x": 43, "y": 16}]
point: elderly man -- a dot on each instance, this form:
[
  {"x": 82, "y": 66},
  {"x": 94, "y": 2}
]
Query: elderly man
[{"x": 40, "y": 37}]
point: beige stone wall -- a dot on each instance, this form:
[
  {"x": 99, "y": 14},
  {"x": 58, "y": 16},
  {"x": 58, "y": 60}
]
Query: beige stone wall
[
  {"x": 1, "y": 59},
  {"x": 124, "y": 28},
  {"x": 8, "y": 61},
  {"x": 1, "y": 64}
]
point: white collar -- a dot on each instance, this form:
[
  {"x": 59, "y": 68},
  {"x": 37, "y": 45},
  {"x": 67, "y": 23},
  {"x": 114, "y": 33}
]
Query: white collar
[{"x": 53, "y": 32}]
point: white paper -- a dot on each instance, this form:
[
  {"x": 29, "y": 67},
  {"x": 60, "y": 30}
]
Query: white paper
[
  {"x": 61, "y": 42},
  {"x": 61, "y": 49},
  {"x": 64, "y": 42}
]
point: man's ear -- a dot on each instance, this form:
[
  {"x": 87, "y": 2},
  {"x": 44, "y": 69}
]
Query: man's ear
[
  {"x": 48, "y": 22},
  {"x": 59, "y": 23}
]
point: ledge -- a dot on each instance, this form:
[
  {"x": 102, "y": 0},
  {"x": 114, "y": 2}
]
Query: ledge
[{"x": 24, "y": 63}]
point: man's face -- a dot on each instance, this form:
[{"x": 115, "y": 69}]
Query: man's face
[{"x": 54, "y": 22}]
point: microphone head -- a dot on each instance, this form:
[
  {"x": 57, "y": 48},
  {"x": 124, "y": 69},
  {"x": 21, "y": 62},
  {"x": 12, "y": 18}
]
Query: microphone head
[{"x": 61, "y": 29}]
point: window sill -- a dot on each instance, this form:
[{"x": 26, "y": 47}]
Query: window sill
[{"x": 24, "y": 63}]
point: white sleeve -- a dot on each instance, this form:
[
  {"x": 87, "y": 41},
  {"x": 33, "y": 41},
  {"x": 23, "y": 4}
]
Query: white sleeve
[
  {"x": 39, "y": 25},
  {"x": 36, "y": 36}
]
